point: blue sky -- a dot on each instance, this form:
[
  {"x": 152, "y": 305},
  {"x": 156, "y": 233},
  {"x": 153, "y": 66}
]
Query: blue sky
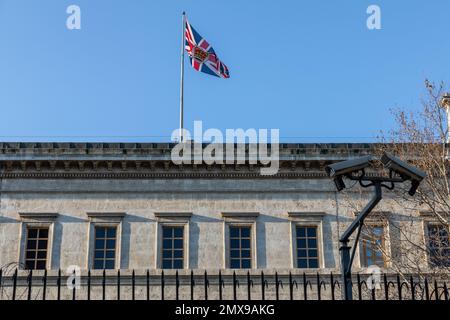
[{"x": 310, "y": 68}]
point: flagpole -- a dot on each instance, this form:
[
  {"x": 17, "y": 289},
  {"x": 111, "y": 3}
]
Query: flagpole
[{"x": 182, "y": 75}]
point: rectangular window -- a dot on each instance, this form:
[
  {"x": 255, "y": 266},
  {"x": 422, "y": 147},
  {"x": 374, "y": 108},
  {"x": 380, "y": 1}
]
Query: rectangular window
[
  {"x": 36, "y": 248},
  {"x": 240, "y": 247},
  {"x": 307, "y": 247},
  {"x": 372, "y": 245},
  {"x": 439, "y": 245},
  {"x": 172, "y": 247},
  {"x": 105, "y": 247}
]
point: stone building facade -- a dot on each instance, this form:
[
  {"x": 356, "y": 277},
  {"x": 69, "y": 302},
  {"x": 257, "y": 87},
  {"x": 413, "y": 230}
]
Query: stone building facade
[{"x": 127, "y": 206}]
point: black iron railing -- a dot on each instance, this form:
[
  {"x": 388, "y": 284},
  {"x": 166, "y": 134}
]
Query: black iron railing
[{"x": 223, "y": 285}]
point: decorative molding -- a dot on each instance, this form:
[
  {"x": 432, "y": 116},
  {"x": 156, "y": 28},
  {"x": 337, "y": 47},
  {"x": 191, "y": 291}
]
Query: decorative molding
[
  {"x": 240, "y": 215},
  {"x": 306, "y": 214},
  {"x": 160, "y": 175},
  {"x": 38, "y": 216},
  {"x": 375, "y": 215},
  {"x": 173, "y": 215},
  {"x": 106, "y": 216},
  {"x": 66, "y": 160},
  {"x": 430, "y": 215}
]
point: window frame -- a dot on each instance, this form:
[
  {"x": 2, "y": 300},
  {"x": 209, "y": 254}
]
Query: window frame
[
  {"x": 427, "y": 224},
  {"x": 104, "y": 219},
  {"x": 317, "y": 237},
  {"x": 36, "y": 220},
  {"x": 307, "y": 219},
  {"x": 363, "y": 245},
  {"x": 105, "y": 238},
  {"x": 237, "y": 219},
  {"x": 172, "y": 219},
  {"x": 172, "y": 238},
  {"x": 36, "y": 249},
  {"x": 240, "y": 238}
]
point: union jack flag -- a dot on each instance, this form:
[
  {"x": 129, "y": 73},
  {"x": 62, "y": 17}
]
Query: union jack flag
[{"x": 202, "y": 55}]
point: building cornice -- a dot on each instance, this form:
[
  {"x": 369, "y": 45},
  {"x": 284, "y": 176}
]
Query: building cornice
[
  {"x": 153, "y": 161},
  {"x": 161, "y": 175},
  {"x": 15, "y": 151}
]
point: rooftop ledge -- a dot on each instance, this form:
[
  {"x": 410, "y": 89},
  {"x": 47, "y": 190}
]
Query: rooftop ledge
[
  {"x": 17, "y": 151},
  {"x": 163, "y": 145}
]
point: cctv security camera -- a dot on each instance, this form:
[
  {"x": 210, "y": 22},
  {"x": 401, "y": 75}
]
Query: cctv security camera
[
  {"x": 338, "y": 170},
  {"x": 348, "y": 166},
  {"x": 404, "y": 170}
]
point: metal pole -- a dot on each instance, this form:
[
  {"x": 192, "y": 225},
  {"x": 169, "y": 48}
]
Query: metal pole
[
  {"x": 346, "y": 258},
  {"x": 183, "y": 30},
  {"x": 346, "y": 271}
]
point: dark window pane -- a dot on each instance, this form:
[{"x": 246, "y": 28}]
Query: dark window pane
[
  {"x": 99, "y": 244},
  {"x": 234, "y": 243},
  {"x": 312, "y": 243},
  {"x": 302, "y": 263},
  {"x": 301, "y": 253},
  {"x": 167, "y": 264},
  {"x": 301, "y": 243},
  {"x": 178, "y": 264},
  {"x": 42, "y": 244},
  {"x": 167, "y": 244},
  {"x": 110, "y": 244},
  {"x": 245, "y": 253},
  {"x": 178, "y": 253},
  {"x": 312, "y": 232},
  {"x": 30, "y": 255},
  {"x": 99, "y": 232},
  {"x": 234, "y": 264},
  {"x": 99, "y": 254},
  {"x": 301, "y": 232},
  {"x": 245, "y": 232},
  {"x": 42, "y": 254},
  {"x": 40, "y": 264},
  {"x": 245, "y": 243},
  {"x": 98, "y": 264},
  {"x": 313, "y": 263},
  {"x": 32, "y": 233},
  {"x": 29, "y": 264},
  {"x": 234, "y": 232},
  {"x": 178, "y": 244},
  {"x": 111, "y": 232},
  {"x": 234, "y": 253},
  {"x": 312, "y": 253},
  {"x": 31, "y": 244},
  {"x": 167, "y": 253},
  {"x": 110, "y": 254},
  {"x": 178, "y": 232},
  {"x": 245, "y": 263},
  {"x": 167, "y": 232},
  {"x": 109, "y": 264},
  {"x": 43, "y": 233}
]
